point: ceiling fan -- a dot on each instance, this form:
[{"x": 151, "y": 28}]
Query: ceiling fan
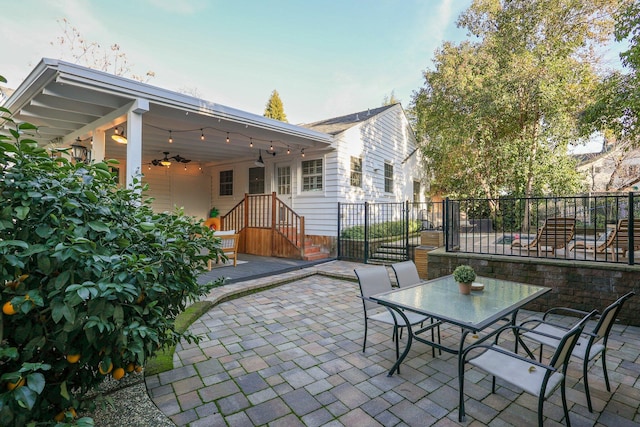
[{"x": 166, "y": 161}]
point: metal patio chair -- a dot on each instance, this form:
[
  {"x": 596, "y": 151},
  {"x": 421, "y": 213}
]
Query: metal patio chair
[
  {"x": 590, "y": 344},
  {"x": 406, "y": 275},
  {"x": 534, "y": 377},
  {"x": 375, "y": 280}
]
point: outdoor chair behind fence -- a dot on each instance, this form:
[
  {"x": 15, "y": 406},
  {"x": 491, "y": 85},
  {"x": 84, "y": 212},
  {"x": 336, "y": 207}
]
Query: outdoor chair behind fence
[
  {"x": 555, "y": 233},
  {"x": 615, "y": 242}
]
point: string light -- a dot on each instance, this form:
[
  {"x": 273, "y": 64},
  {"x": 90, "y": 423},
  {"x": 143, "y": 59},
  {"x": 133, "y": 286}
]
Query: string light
[
  {"x": 271, "y": 147},
  {"x": 201, "y": 134},
  {"x": 302, "y": 152},
  {"x": 227, "y": 137},
  {"x": 288, "y": 150},
  {"x": 251, "y": 142},
  {"x": 170, "y": 138}
]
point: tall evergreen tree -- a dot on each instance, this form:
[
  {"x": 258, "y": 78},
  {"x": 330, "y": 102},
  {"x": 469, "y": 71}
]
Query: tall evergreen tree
[{"x": 274, "y": 108}]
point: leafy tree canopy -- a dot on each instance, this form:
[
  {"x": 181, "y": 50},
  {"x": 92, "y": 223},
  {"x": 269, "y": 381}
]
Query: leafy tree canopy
[
  {"x": 274, "y": 108},
  {"x": 497, "y": 114}
]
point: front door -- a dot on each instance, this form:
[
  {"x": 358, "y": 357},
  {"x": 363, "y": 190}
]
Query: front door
[{"x": 284, "y": 185}]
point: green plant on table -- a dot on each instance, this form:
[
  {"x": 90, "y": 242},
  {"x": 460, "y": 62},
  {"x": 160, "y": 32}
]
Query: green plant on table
[{"x": 464, "y": 274}]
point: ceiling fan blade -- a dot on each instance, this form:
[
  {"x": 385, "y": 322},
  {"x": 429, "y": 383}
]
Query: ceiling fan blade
[{"x": 155, "y": 162}]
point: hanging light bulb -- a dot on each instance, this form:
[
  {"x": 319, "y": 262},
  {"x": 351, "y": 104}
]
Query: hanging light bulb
[
  {"x": 201, "y": 134},
  {"x": 288, "y": 150},
  {"x": 251, "y": 142},
  {"x": 302, "y": 152},
  {"x": 170, "y": 138},
  {"x": 227, "y": 137},
  {"x": 271, "y": 147}
]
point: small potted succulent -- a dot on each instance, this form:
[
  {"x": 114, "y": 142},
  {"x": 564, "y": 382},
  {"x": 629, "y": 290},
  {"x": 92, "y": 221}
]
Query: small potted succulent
[{"x": 464, "y": 275}]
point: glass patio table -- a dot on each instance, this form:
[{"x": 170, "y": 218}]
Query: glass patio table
[{"x": 440, "y": 299}]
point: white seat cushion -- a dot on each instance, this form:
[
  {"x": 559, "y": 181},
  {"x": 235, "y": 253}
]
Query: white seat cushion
[
  {"x": 386, "y": 317},
  {"x": 517, "y": 372},
  {"x": 578, "y": 351}
]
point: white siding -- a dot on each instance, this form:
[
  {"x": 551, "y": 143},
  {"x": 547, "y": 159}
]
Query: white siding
[{"x": 174, "y": 187}]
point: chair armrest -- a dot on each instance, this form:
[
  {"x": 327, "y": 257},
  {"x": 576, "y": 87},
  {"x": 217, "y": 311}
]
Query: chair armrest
[
  {"x": 499, "y": 349},
  {"x": 555, "y": 310}
]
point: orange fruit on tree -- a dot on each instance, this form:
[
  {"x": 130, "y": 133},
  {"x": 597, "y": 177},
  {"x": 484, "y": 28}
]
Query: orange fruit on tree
[
  {"x": 73, "y": 358},
  {"x": 8, "y": 309},
  {"x": 63, "y": 414},
  {"x": 140, "y": 298},
  {"x": 118, "y": 373},
  {"x": 104, "y": 370},
  {"x": 130, "y": 367},
  {"x": 19, "y": 383},
  {"x": 138, "y": 368}
]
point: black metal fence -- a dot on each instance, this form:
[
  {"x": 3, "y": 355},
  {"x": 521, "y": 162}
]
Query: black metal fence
[
  {"x": 592, "y": 227},
  {"x": 384, "y": 232}
]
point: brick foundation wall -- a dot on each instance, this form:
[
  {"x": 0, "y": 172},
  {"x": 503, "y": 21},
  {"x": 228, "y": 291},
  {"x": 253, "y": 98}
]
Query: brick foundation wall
[{"x": 579, "y": 285}]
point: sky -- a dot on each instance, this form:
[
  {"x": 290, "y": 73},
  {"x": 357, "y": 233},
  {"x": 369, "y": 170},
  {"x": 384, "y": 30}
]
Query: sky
[{"x": 325, "y": 58}]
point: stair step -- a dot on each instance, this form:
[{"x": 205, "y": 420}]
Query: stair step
[{"x": 315, "y": 256}]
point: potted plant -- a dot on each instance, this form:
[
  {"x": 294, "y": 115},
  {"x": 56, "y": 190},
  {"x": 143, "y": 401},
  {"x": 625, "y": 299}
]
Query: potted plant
[
  {"x": 213, "y": 222},
  {"x": 464, "y": 275}
]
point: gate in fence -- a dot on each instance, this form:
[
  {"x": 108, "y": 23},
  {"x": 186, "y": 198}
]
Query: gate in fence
[{"x": 384, "y": 233}]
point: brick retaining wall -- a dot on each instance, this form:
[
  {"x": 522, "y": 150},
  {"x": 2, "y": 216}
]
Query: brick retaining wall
[{"x": 580, "y": 285}]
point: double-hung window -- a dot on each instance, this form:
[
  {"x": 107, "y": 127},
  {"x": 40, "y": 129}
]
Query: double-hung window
[
  {"x": 388, "y": 178},
  {"x": 356, "y": 172},
  {"x": 312, "y": 175},
  {"x": 226, "y": 183}
]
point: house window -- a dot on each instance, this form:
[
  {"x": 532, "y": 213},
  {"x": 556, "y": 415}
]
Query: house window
[
  {"x": 284, "y": 179},
  {"x": 256, "y": 180},
  {"x": 356, "y": 172},
  {"x": 388, "y": 178},
  {"x": 226, "y": 183},
  {"x": 312, "y": 175},
  {"x": 416, "y": 191}
]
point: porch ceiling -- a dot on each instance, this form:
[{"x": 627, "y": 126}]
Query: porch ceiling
[{"x": 67, "y": 101}]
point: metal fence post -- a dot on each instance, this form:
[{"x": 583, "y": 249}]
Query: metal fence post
[
  {"x": 445, "y": 221},
  {"x": 631, "y": 230},
  {"x": 366, "y": 232},
  {"x": 406, "y": 229},
  {"x": 339, "y": 245}
]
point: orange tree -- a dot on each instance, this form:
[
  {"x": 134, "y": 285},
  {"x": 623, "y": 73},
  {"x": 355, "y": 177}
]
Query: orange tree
[{"x": 91, "y": 279}]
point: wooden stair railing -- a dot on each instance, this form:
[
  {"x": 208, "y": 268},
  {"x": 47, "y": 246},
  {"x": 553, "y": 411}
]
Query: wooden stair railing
[{"x": 266, "y": 211}]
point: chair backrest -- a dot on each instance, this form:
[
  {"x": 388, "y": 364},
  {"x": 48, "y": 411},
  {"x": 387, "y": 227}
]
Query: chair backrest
[
  {"x": 372, "y": 280},
  {"x": 609, "y": 315},
  {"x": 556, "y": 232},
  {"x": 228, "y": 240},
  {"x": 621, "y": 237},
  {"x": 406, "y": 273},
  {"x": 568, "y": 341}
]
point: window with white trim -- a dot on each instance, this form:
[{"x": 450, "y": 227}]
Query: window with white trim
[
  {"x": 356, "y": 172},
  {"x": 256, "y": 180},
  {"x": 388, "y": 178},
  {"x": 312, "y": 175},
  {"x": 226, "y": 183}
]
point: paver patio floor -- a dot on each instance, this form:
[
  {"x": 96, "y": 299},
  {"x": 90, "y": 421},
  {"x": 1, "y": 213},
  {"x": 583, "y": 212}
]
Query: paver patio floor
[{"x": 292, "y": 356}]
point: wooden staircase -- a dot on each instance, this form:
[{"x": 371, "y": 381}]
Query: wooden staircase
[{"x": 268, "y": 227}]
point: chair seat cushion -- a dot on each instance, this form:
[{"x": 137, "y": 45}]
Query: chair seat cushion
[
  {"x": 517, "y": 371},
  {"x": 578, "y": 351},
  {"x": 386, "y": 317}
]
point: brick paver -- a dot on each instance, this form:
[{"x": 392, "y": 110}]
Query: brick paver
[{"x": 291, "y": 355}]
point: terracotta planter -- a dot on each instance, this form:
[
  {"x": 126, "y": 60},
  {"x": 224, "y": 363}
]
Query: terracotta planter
[
  {"x": 465, "y": 288},
  {"x": 213, "y": 223}
]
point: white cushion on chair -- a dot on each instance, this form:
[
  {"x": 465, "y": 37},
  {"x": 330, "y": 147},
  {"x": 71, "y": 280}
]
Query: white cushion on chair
[
  {"x": 578, "y": 351},
  {"x": 386, "y": 317},
  {"x": 517, "y": 372}
]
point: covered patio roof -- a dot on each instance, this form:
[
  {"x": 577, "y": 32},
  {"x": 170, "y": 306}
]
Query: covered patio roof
[{"x": 67, "y": 101}]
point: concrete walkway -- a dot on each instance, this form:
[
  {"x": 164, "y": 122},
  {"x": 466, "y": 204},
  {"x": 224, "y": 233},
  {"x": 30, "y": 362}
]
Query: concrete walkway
[{"x": 292, "y": 355}]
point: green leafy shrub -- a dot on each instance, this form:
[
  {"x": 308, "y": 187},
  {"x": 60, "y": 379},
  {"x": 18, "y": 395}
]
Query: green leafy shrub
[
  {"x": 379, "y": 230},
  {"x": 91, "y": 280}
]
